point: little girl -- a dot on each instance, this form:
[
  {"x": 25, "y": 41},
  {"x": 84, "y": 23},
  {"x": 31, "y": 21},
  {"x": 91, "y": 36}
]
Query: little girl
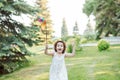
[{"x": 58, "y": 68}]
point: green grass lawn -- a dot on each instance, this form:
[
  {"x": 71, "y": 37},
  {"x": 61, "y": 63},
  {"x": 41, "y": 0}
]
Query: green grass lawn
[{"x": 89, "y": 64}]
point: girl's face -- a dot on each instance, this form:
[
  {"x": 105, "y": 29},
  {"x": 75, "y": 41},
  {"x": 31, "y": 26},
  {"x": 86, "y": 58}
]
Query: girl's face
[{"x": 60, "y": 47}]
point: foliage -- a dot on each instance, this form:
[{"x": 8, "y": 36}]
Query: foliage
[
  {"x": 83, "y": 40},
  {"x": 89, "y": 36},
  {"x": 77, "y": 43},
  {"x": 69, "y": 48},
  {"x": 77, "y": 40},
  {"x": 89, "y": 32},
  {"x": 67, "y": 38},
  {"x": 14, "y": 35},
  {"x": 103, "y": 45},
  {"x": 69, "y": 44},
  {"x": 12, "y": 66},
  {"x": 75, "y": 29},
  {"x": 89, "y": 7},
  {"x": 64, "y": 31},
  {"x": 44, "y": 14},
  {"x": 107, "y": 14}
]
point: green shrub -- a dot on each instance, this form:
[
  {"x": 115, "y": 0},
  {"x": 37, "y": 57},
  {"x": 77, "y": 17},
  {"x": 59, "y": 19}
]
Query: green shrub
[
  {"x": 10, "y": 66},
  {"x": 69, "y": 45},
  {"x": 84, "y": 40},
  {"x": 77, "y": 40},
  {"x": 66, "y": 38},
  {"x": 69, "y": 48},
  {"x": 77, "y": 44},
  {"x": 103, "y": 45}
]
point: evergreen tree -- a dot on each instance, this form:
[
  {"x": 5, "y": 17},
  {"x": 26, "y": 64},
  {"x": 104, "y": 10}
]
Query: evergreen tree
[
  {"x": 75, "y": 29},
  {"x": 107, "y": 13},
  {"x": 64, "y": 31},
  {"x": 14, "y": 35},
  {"x": 89, "y": 32},
  {"x": 45, "y": 14}
]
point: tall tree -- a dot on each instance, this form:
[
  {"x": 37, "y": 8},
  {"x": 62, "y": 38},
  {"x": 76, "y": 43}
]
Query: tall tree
[
  {"x": 45, "y": 14},
  {"x": 76, "y": 29},
  {"x": 107, "y": 14},
  {"x": 14, "y": 35},
  {"x": 64, "y": 31},
  {"x": 89, "y": 32}
]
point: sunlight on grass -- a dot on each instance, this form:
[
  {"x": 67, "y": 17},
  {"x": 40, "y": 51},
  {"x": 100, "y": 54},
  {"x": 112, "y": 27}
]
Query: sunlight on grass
[
  {"x": 103, "y": 65},
  {"x": 104, "y": 72},
  {"x": 119, "y": 72},
  {"x": 76, "y": 72},
  {"x": 43, "y": 76},
  {"x": 70, "y": 64},
  {"x": 83, "y": 58},
  {"x": 43, "y": 64}
]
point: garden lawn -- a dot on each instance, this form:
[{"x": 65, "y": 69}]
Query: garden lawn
[{"x": 89, "y": 64}]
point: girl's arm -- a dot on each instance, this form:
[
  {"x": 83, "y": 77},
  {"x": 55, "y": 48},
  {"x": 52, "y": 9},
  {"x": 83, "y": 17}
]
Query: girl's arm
[
  {"x": 46, "y": 51},
  {"x": 71, "y": 54}
]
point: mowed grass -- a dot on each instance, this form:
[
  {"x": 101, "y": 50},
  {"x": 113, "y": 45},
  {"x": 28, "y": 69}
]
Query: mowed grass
[{"x": 89, "y": 64}]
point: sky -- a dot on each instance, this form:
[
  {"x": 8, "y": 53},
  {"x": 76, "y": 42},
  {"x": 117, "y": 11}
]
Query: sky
[{"x": 71, "y": 10}]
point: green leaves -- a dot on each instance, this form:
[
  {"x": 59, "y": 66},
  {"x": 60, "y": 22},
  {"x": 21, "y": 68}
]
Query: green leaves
[
  {"x": 103, "y": 45},
  {"x": 1, "y": 5},
  {"x": 21, "y": 6},
  {"x": 107, "y": 16},
  {"x": 8, "y": 8},
  {"x": 89, "y": 7}
]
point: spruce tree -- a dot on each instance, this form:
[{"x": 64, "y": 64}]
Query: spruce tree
[
  {"x": 14, "y": 35},
  {"x": 64, "y": 31},
  {"x": 76, "y": 29}
]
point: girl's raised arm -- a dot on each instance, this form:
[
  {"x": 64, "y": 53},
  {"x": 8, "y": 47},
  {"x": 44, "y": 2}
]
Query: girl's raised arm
[{"x": 46, "y": 51}]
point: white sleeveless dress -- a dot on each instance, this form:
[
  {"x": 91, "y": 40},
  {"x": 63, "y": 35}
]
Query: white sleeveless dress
[{"x": 58, "y": 68}]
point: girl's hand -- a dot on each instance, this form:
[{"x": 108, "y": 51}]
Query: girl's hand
[{"x": 46, "y": 51}]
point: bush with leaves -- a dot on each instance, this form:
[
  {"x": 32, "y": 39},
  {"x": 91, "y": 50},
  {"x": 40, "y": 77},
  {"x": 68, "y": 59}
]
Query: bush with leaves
[
  {"x": 69, "y": 45},
  {"x": 77, "y": 43},
  {"x": 69, "y": 48},
  {"x": 83, "y": 40},
  {"x": 103, "y": 45}
]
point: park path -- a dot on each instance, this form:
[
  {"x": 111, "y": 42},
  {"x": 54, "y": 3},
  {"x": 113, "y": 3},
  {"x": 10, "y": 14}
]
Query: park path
[{"x": 95, "y": 44}]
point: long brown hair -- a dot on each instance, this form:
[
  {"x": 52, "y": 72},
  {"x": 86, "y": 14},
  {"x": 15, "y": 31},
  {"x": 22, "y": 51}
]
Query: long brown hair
[{"x": 64, "y": 45}]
